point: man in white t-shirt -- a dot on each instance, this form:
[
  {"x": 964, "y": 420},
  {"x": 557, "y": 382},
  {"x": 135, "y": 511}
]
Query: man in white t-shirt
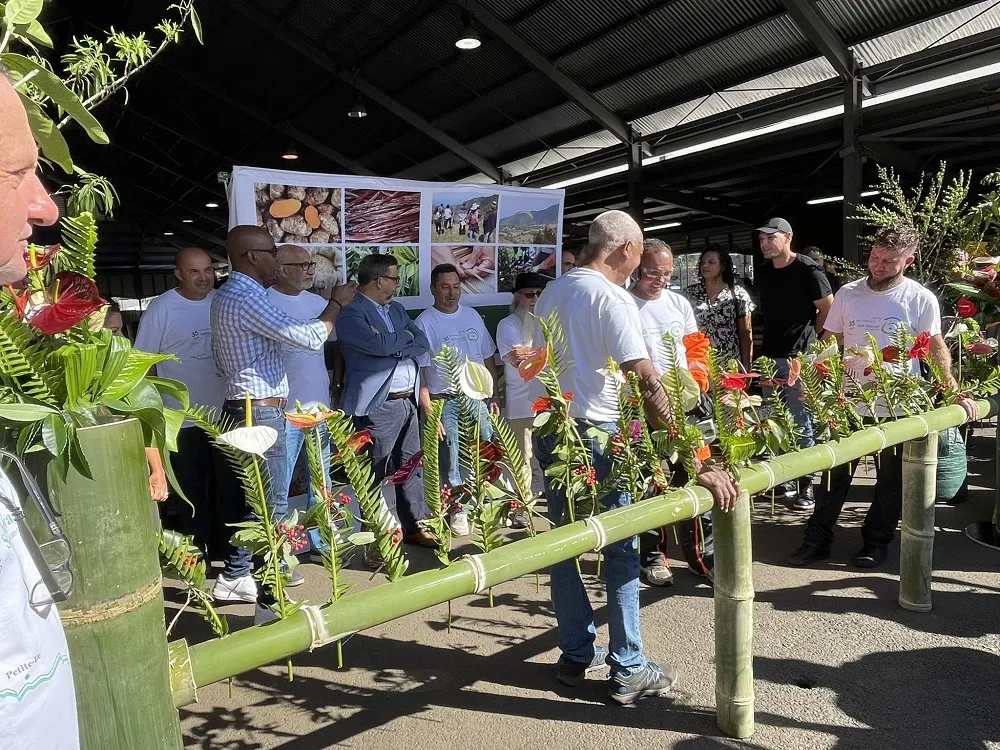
[
  {"x": 878, "y": 305},
  {"x": 665, "y": 313},
  {"x": 517, "y": 330},
  {"x": 449, "y": 322},
  {"x": 599, "y": 319},
  {"x": 37, "y": 702},
  {"x": 178, "y": 322},
  {"x": 308, "y": 378}
]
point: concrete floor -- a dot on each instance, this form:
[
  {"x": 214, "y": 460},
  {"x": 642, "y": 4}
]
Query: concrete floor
[{"x": 838, "y": 663}]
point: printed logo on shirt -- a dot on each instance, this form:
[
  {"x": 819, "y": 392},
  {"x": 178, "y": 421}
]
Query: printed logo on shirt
[
  {"x": 469, "y": 334},
  {"x": 201, "y": 341},
  {"x": 888, "y": 326},
  {"x": 29, "y": 680}
]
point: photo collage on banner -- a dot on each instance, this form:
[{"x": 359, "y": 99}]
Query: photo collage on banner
[{"x": 490, "y": 233}]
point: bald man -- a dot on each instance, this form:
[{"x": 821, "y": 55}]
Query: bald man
[
  {"x": 178, "y": 322},
  {"x": 37, "y": 702},
  {"x": 248, "y": 335}
]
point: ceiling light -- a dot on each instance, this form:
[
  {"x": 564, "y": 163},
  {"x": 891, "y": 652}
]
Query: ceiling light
[
  {"x": 290, "y": 153},
  {"x": 668, "y": 225},
  {"x": 187, "y": 221},
  {"x": 211, "y": 204},
  {"x": 469, "y": 38},
  {"x": 838, "y": 198},
  {"x": 588, "y": 177},
  {"x": 168, "y": 234},
  {"x": 357, "y": 109}
]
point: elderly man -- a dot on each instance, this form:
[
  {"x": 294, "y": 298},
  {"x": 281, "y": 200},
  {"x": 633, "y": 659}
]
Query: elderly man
[
  {"x": 460, "y": 327},
  {"x": 45, "y": 714},
  {"x": 600, "y": 320},
  {"x": 248, "y": 332},
  {"x": 795, "y": 296},
  {"x": 178, "y": 322},
  {"x": 515, "y": 333},
  {"x": 380, "y": 345},
  {"x": 663, "y": 313},
  {"x": 308, "y": 378},
  {"x": 877, "y": 305}
]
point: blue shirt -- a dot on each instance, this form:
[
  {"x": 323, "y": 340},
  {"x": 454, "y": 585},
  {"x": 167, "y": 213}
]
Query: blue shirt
[
  {"x": 404, "y": 377},
  {"x": 247, "y": 334}
]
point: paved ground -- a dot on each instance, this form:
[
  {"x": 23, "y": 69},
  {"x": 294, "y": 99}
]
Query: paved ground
[{"x": 838, "y": 663}]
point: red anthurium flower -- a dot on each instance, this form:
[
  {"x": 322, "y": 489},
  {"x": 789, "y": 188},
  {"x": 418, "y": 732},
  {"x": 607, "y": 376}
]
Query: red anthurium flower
[
  {"x": 966, "y": 307},
  {"x": 490, "y": 451},
  {"x": 303, "y": 420},
  {"x": 921, "y": 346},
  {"x": 542, "y": 403},
  {"x": 822, "y": 368},
  {"x": 71, "y": 298},
  {"x": 407, "y": 469},
  {"x": 568, "y": 395},
  {"x": 737, "y": 381},
  {"x": 533, "y": 362},
  {"x": 36, "y": 258},
  {"x": 359, "y": 440},
  {"x": 979, "y": 348},
  {"x": 794, "y": 372},
  {"x": 890, "y": 354}
]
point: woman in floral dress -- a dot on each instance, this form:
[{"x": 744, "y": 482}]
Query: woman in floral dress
[{"x": 722, "y": 307}]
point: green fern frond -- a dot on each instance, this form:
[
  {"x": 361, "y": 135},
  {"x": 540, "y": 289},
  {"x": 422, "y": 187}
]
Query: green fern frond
[
  {"x": 23, "y": 363},
  {"x": 79, "y": 241},
  {"x": 179, "y": 555},
  {"x": 513, "y": 459}
]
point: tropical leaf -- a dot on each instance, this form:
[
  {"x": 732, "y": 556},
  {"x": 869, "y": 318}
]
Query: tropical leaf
[
  {"x": 22, "y": 363},
  {"x": 181, "y": 557},
  {"x": 47, "y": 135},
  {"x": 79, "y": 241}
]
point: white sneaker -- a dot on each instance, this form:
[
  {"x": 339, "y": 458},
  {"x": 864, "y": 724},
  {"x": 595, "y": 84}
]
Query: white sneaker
[
  {"x": 459, "y": 524},
  {"x": 242, "y": 589}
]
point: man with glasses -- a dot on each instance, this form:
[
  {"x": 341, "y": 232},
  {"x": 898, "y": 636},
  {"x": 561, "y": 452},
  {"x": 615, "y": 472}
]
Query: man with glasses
[
  {"x": 380, "y": 345},
  {"x": 308, "y": 378},
  {"x": 248, "y": 333},
  {"x": 37, "y": 702}
]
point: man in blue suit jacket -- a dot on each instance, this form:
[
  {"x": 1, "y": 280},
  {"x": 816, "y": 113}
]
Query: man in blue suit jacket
[{"x": 380, "y": 344}]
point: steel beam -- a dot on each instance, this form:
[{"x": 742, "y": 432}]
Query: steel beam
[
  {"x": 693, "y": 202},
  {"x": 342, "y": 71},
  {"x": 636, "y": 197},
  {"x": 905, "y": 162},
  {"x": 825, "y": 38},
  {"x": 853, "y": 157},
  {"x": 576, "y": 93}
]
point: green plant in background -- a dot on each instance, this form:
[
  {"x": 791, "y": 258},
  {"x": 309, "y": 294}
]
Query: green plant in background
[{"x": 408, "y": 257}]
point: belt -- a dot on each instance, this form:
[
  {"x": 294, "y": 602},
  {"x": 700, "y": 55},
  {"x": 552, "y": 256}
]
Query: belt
[
  {"x": 399, "y": 395},
  {"x": 442, "y": 396},
  {"x": 236, "y": 403}
]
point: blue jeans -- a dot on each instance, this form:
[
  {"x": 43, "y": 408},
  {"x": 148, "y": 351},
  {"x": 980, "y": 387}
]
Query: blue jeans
[
  {"x": 232, "y": 499},
  {"x": 449, "y": 460},
  {"x": 795, "y": 400},
  {"x": 621, "y": 565},
  {"x": 295, "y": 441}
]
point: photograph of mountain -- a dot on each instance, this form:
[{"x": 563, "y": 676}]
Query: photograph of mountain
[
  {"x": 528, "y": 220},
  {"x": 464, "y": 216}
]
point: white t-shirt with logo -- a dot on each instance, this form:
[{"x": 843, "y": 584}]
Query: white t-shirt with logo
[
  {"x": 599, "y": 320},
  {"x": 173, "y": 324},
  {"x": 670, "y": 313},
  {"x": 511, "y": 332},
  {"x": 308, "y": 378},
  {"x": 37, "y": 702},
  {"x": 463, "y": 329}
]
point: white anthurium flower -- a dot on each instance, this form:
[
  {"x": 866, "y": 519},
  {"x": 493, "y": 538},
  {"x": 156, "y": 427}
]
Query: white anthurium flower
[
  {"x": 617, "y": 375},
  {"x": 746, "y": 401},
  {"x": 475, "y": 381},
  {"x": 956, "y": 330},
  {"x": 986, "y": 260},
  {"x": 256, "y": 440},
  {"x": 859, "y": 358},
  {"x": 992, "y": 343},
  {"x": 827, "y": 352}
]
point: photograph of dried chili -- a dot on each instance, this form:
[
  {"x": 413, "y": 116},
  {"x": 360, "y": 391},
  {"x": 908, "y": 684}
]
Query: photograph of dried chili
[{"x": 382, "y": 216}]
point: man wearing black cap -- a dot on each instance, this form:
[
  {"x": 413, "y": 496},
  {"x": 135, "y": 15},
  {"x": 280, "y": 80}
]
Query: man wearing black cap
[
  {"x": 514, "y": 333},
  {"x": 795, "y": 296}
]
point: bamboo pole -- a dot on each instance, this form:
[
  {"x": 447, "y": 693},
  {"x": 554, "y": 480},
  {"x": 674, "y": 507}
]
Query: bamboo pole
[
  {"x": 114, "y": 617},
  {"x": 916, "y": 546},
  {"x": 734, "y": 620}
]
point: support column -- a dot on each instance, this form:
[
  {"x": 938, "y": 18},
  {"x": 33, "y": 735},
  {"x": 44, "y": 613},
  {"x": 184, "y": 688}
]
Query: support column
[
  {"x": 853, "y": 159},
  {"x": 733, "y": 586},
  {"x": 636, "y": 196},
  {"x": 916, "y": 546}
]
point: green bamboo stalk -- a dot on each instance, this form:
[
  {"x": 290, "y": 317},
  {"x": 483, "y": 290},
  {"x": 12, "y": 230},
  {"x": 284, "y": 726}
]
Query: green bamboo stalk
[
  {"x": 733, "y": 585},
  {"x": 114, "y": 617},
  {"x": 916, "y": 546}
]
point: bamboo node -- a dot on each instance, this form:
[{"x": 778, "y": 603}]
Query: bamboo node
[
  {"x": 927, "y": 427},
  {"x": 317, "y": 627},
  {"x": 77, "y": 617},
  {"x": 595, "y": 525},
  {"x": 881, "y": 436},
  {"x": 694, "y": 501},
  {"x": 478, "y": 572},
  {"x": 831, "y": 453}
]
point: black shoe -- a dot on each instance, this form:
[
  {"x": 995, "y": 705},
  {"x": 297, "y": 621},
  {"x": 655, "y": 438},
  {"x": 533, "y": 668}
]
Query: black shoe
[
  {"x": 871, "y": 556},
  {"x": 572, "y": 673},
  {"x": 805, "y": 500},
  {"x": 653, "y": 680},
  {"x": 807, "y": 554},
  {"x": 787, "y": 489}
]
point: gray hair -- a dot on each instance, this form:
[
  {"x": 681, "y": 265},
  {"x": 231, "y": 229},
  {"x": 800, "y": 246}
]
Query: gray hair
[
  {"x": 373, "y": 266},
  {"x": 655, "y": 247},
  {"x": 608, "y": 232}
]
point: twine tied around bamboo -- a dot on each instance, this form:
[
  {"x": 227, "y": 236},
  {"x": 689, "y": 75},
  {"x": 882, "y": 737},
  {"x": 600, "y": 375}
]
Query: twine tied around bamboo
[
  {"x": 595, "y": 525},
  {"x": 478, "y": 572},
  {"x": 76, "y": 617}
]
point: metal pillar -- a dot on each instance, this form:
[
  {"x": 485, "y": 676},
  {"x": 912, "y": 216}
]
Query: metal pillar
[
  {"x": 636, "y": 198},
  {"x": 853, "y": 158}
]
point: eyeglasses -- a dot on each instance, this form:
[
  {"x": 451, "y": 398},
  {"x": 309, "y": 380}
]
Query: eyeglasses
[
  {"x": 393, "y": 279},
  {"x": 52, "y": 558},
  {"x": 530, "y": 295},
  {"x": 307, "y": 266},
  {"x": 656, "y": 275}
]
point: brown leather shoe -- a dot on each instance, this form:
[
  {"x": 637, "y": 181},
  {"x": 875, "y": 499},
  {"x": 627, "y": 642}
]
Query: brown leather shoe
[{"x": 421, "y": 537}]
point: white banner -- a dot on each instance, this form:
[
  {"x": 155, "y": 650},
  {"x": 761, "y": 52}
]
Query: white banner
[{"x": 490, "y": 233}]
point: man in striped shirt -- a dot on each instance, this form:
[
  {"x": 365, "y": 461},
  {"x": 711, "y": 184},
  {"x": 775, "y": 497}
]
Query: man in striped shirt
[{"x": 248, "y": 332}]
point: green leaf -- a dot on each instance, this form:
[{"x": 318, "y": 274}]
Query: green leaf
[
  {"x": 362, "y": 537},
  {"x": 54, "y": 434},
  {"x": 173, "y": 388},
  {"x": 76, "y": 455},
  {"x": 25, "y": 412},
  {"x": 33, "y": 32},
  {"x": 47, "y": 135},
  {"x": 115, "y": 357},
  {"x": 196, "y": 26},
  {"x": 541, "y": 419},
  {"x": 51, "y": 85},
  {"x": 22, "y": 11},
  {"x": 135, "y": 368}
]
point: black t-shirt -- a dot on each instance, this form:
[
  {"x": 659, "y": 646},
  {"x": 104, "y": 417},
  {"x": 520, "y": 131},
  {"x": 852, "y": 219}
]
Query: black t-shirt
[{"x": 788, "y": 297}]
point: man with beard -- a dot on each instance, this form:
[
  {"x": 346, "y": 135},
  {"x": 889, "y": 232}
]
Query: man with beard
[
  {"x": 795, "y": 296},
  {"x": 248, "y": 332},
  {"x": 877, "y": 305}
]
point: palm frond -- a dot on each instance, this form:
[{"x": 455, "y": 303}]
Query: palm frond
[
  {"x": 79, "y": 240},
  {"x": 23, "y": 364}
]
